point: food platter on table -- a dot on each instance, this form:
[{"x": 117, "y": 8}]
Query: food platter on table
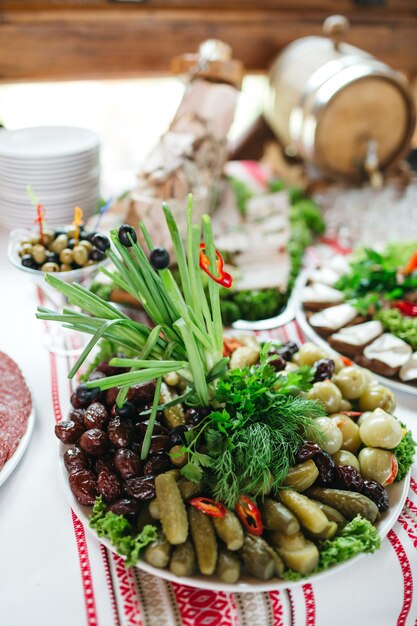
[
  {"x": 397, "y": 495},
  {"x": 17, "y": 416},
  {"x": 311, "y": 334},
  {"x": 217, "y": 454}
]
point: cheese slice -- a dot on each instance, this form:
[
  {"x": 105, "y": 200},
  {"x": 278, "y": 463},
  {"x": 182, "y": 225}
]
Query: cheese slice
[
  {"x": 334, "y": 317},
  {"x": 389, "y": 349},
  {"x": 319, "y": 293},
  {"x": 324, "y": 275},
  {"x": 339, "y": 263},
  {"x": 359, "y": 334},
  {"x": 408, "y": 371}
]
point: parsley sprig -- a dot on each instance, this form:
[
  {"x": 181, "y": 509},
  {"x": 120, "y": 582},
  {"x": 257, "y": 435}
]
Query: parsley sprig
[{"x": 251, "y": 440}]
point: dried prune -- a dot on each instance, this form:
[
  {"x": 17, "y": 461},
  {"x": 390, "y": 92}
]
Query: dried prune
[
  {"x": 307, "y": 451},
  {"x": 326, "y": 467},
  {"x": 109, "y": 486},
  {"x": 94, "y": 441},
  {"x": 110, "y": 370},
  {"x": 159, "y": 443},
  {"x": 323, "y": 370},
  {"x": 287, "y": 350},
  {"x": 76, "y": 459},
  {"x": 104, "y": 462},
  {"x": 278, "y": 362},
  {"x": 142, "y": 393},
  {"x": 111, "y": 395},
  {"x": 128, "y": 507},
  {"x": 69, "y": 431},
  {"x": 96, "y": 375},
  {"x": 77, "y": 415},
  {"x": 127, "y": 463},
  {"x": 158, "y": 464},
  {"x": 84, "y": 486},
  {"x": 77, "y": 403},
  {"x": 177, "y": 435},
  {"x": 120, "y": 432},
  {"x": 376, "y": 492},
  {"x": 96, "y": 416},
  {"x": 141, "y": 488},
  {"x": 349, "y": 478}
]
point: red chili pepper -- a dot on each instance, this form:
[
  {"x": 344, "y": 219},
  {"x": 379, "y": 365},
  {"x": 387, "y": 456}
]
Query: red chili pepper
[
  {"x": 411, "y": 266},
  {"x": 230, "y": 345},
  {"x": 346, "y": 361},
  {"x": 249, "y": 515},
  {"x": 225, "y": 279},
  {"x": 351, "y": 413},
  {"x": 406, "y": 308},
  {"x": 208, "y": 507}
]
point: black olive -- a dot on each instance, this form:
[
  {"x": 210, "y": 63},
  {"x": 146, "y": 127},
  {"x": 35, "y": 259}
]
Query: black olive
[
  {"x": 287, "y": 350},
  {"x": 71, "y": 243},
  {"x": 177, "y": 435},
  {"x": 127, "y": 235},
  {"x": 128, "y": 411},
  {"x": 159, "y": 258},
  {"x": 52, "y": 257},
  {"x": 87, "y": 395},
  {"x": 59, "y": 232},
  {"x": 90, "y": 236},
  {"x": 96, "y": 255},
  {"x": 28, "y": 261},
  {"x": 101, "y": 242},
  {"x": 82, "y": 235}
]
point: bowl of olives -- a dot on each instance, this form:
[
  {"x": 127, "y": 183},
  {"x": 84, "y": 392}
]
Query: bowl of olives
[{"x": 76, "y": 259}]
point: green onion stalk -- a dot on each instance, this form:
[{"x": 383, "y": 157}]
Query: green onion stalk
[{"x": 187, "y": 336}]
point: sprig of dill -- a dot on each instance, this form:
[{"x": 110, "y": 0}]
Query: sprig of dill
[{"x": 253, "y": 440}]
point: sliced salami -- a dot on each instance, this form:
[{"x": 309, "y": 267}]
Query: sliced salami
[{"x": 15, "y": 407}]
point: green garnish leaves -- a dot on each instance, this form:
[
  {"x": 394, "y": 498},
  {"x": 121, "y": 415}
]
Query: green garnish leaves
[
  {"x": 404, "y": 453},
  {"x": 300, "y": 380},
  {"x": 399, "y": 325},
  {"x": 358, "y": 536},
  {"x": 118, "y": 530}
]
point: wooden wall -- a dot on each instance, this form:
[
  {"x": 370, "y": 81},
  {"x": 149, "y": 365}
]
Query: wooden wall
[{"x": 58, "y": 39}]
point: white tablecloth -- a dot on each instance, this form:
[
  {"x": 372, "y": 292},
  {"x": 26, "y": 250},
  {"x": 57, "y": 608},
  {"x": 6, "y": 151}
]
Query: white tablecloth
[{"x": 52, "y": 571}]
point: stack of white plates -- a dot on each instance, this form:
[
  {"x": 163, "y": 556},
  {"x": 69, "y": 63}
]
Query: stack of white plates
[{"x": 61, "y": 165}]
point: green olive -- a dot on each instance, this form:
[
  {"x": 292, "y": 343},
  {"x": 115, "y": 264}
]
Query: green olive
[
  {"x": 381, "y": 430},
  {"x": 66, "y": 256},
  {"x": 59, "y": 244},
  {"x": 377, "y": 464},
  {"x": 48, "y": 236},
  {"x": 50, "y": 267},
  {"x": 39, "y": 253},
  {"x": 65, "y": 268},
  {"x": 327, "y": 393},
  {"x": 87, "y": 245},
  {"x": 90, "y": 262},
  {"x": 309, "y": 353},
  {"x": 349, "y": 430},
  {"x": 25, "y": 248},
  {"x": 80, "y": 255},
  {"x": 374, "y": 396},
  {"x": 34, "y": 238},
  {"x": 334, "y": 437},
  {"x": 351, "y": 382},
  {"x": 345, "y": 405},
  {"x": 363, "y": 417},
  {"x": 343, "y": 457},
  {"x": 338, "y": 364}
]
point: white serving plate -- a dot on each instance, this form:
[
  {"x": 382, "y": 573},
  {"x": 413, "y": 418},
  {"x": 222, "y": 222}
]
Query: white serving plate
[
  {"x": 12, "y": 463},
  {"x": 397, "y": 493},
  {"x": 311, "y": 334},
  {"x": 46, "y": 142}
]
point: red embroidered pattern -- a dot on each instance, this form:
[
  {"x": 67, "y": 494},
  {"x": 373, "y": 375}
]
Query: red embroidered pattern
[
  {"x": 127, "y": 588},
  {"x": 310, "y": 605},
  {"x": 277, "y": 608},
  {"x": 109, "y": 581},
  {"x": 86, "y": 577},
  {"x": 202, "y": 607},
  {"x": 407, "y": 577}
]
